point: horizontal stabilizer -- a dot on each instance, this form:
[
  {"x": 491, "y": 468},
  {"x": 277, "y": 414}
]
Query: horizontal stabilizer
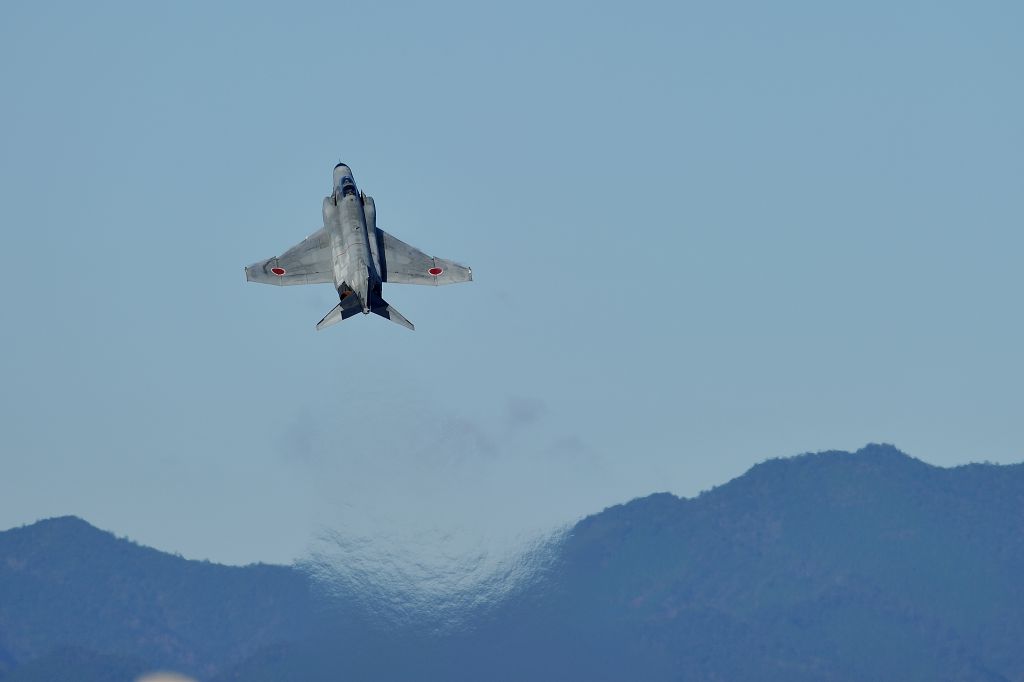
[
  {"x": 386, "y": 311},
  {"x": 338, "y": 313},
  {"x": 330, "y": 318}
]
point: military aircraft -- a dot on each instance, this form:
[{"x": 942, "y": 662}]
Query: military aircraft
[{"x": 356, "y": 256}]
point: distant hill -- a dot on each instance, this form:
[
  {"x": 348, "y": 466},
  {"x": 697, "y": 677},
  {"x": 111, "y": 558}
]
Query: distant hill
[
  {"x": 79, "y": 665},
  {"x": 833, "y": 566},
  {"x": 842, "y": 566},
  {"x": 67, "y": 589}
]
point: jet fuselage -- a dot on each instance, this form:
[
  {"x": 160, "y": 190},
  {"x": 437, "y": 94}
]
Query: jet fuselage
[{"x": 353, "y": 253}]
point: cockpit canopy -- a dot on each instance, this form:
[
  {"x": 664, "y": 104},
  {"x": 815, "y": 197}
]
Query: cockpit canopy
[{"x": 347, "y": 186}]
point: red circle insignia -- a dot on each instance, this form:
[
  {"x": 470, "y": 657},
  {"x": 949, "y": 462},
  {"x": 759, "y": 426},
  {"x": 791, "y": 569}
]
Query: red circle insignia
[
  {"x": 435, "y": 271},
  {"x": 278, "y": 271}
]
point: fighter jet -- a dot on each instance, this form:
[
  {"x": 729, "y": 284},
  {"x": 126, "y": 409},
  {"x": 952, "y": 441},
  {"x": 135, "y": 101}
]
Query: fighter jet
[{"x": 357, "y": 257}]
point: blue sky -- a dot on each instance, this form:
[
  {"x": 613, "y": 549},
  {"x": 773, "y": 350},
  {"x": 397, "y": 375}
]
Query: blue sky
[{"x": 702, "y": 234}]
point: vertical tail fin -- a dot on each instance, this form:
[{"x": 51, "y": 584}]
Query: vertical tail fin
[{"x": 385, "y": 310}]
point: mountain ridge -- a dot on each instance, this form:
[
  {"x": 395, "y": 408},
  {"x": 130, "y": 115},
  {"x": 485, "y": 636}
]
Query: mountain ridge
[
  {"x": 834, "y": 566},
  {"x": 64, "y": 582}
]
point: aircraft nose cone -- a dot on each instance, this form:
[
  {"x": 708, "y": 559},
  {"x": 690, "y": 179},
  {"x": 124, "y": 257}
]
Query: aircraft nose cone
[
  {"x": 341, "y": 171},
  {"x": 341, "y": 164}
]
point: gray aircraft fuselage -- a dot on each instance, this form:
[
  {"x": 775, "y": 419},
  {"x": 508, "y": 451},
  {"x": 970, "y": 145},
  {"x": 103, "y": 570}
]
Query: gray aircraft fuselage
[{"x": 349, "y": 219}]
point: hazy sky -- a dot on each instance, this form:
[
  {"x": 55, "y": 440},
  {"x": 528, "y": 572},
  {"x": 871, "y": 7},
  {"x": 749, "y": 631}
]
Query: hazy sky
[{"x": 702, "y": 233}]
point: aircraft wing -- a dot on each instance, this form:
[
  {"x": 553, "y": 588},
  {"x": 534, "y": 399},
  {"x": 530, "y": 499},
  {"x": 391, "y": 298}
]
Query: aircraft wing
[
  {"x": 404, "y": 264},
  {"x": 308, "y": 262}
]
